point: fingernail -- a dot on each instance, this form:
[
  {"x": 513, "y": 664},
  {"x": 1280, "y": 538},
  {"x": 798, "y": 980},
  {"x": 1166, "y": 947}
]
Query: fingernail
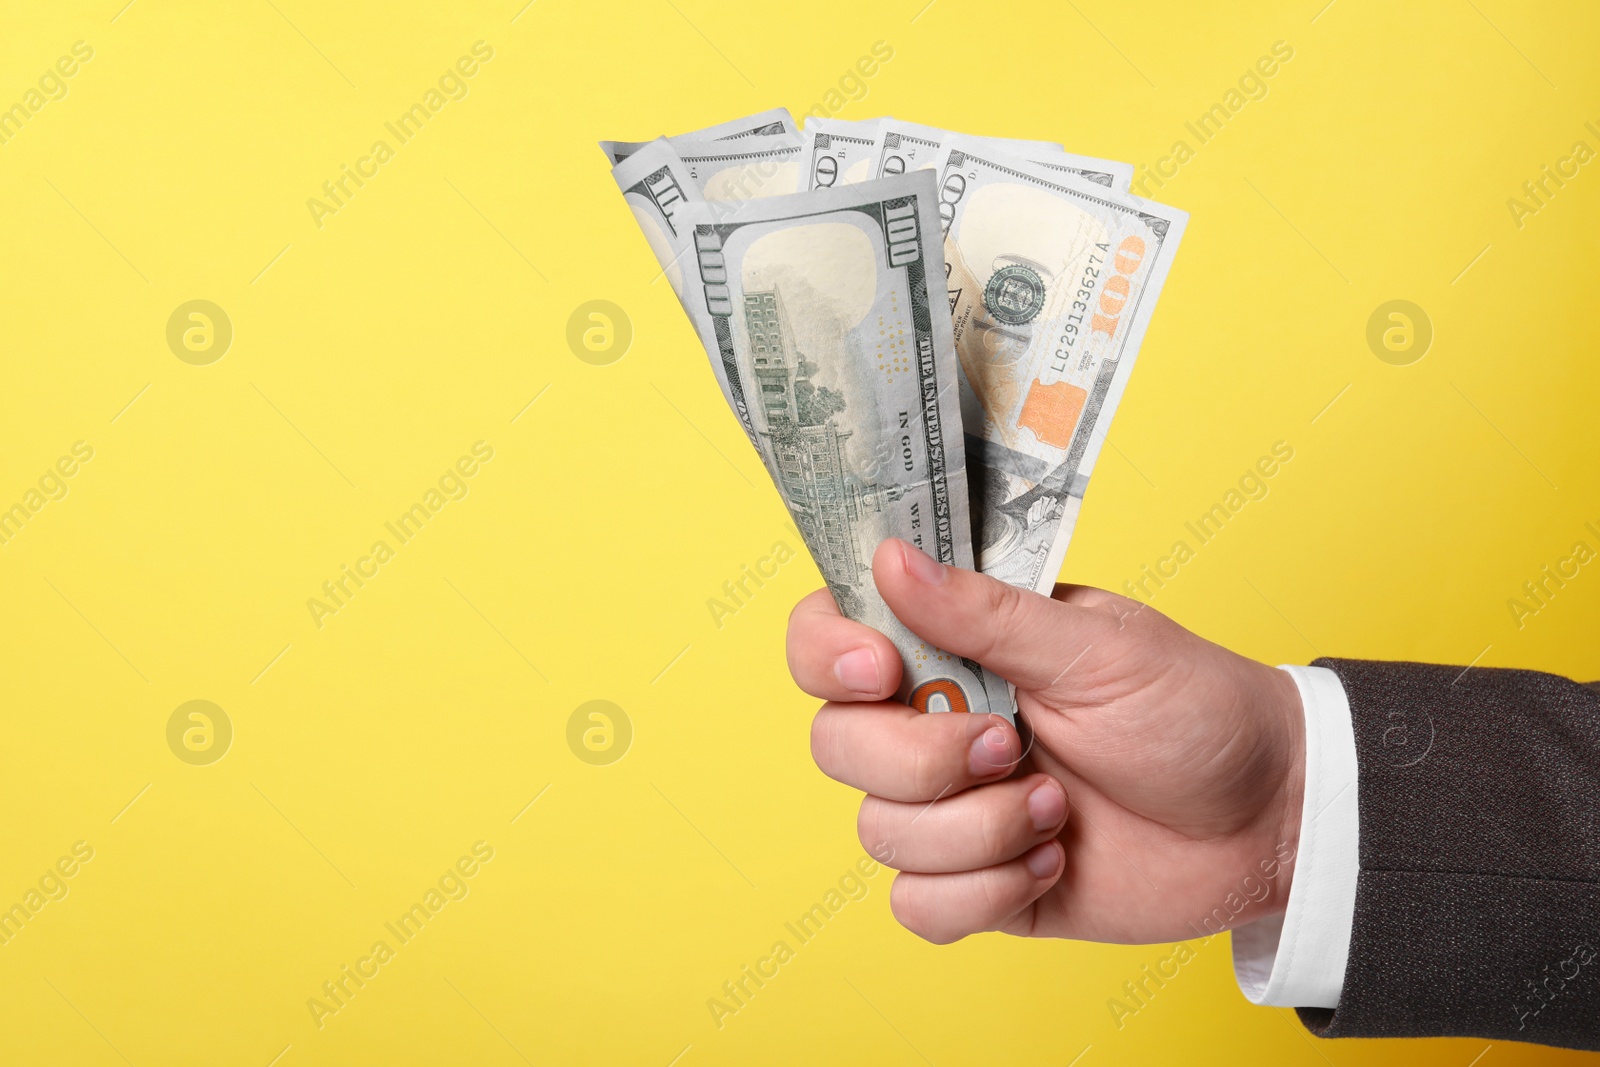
[
  {"x": 1047, "y": 806},
  {"x": 923, "y": 567},
  {"x": 991, "y": 752},
  {"x": 1044, "y": 861},
  {"x": 857, "y": 671}
]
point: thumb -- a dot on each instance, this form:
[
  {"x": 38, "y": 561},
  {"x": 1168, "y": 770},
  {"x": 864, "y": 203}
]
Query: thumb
[{"x": 1026, "y": 638}]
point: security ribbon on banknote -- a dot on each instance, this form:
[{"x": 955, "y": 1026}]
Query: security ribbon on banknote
[{"x": 825, "y": 318}]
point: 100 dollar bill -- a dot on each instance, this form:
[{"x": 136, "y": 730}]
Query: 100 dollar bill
[
  {"x": 1051, "y": 283},
  {"x": 745, "y": 169},
  {"x": 906, "y": 146},
  {"x": 825, "y": 317},
  {"x": 656, "y": 186},
  {"x": 761, "y": 124},
  {"x": 842, "y": 157}
]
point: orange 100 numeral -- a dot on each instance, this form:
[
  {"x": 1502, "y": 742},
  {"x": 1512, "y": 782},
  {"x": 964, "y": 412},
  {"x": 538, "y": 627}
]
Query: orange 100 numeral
[
  {"x": 953, "y": 695},
  {"x": 1115, "y": 294}
]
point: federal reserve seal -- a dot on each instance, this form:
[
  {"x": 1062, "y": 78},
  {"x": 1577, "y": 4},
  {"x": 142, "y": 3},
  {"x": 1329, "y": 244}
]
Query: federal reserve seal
[{"x": 1014, "y": 295}]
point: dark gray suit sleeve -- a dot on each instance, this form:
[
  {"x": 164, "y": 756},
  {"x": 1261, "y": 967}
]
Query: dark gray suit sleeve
[{"x": 1478, "y": 900}]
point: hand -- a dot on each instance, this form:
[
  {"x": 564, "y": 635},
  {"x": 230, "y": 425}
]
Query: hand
[{"x": 1182, "y": 763}]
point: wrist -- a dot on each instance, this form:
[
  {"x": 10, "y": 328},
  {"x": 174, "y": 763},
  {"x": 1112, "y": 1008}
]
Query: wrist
[{"x": 1288, "y": 804}]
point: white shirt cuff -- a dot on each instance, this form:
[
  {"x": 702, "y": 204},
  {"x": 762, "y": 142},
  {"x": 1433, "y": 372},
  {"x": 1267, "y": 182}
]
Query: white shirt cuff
[{"x": 1297, "y": 960}]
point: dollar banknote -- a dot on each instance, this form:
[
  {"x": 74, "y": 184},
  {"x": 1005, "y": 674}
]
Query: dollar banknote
[
  {"x": 655, "y": 185},
  {"x": 903, "y": 146},
  {"x": 829, "y": 158},
  {"x": 906, "y": 146},
  {"x": 656, "y": 179},
  {"x": 1051, "y": 281},
  {"x": 850, "y": 126},
  {"x": 825, "y": 319},
  {"x": 748, "y": 168},
  {"x": 761, "y": 124},
  {"x": 1111, "y": 173}
]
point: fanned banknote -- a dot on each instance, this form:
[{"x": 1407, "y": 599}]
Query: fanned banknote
[
  {"x": 657, "y": 178},
  {"x": 874, "y": 414},
  {"x": 655, "y": 185},
  {"x": 749, "y": 168},
  {"x": 761, "y": 124},
  {"x": 906, "y": 146},
  {"x": 825, "y": 319},
  {"x": 836, "y": 157},
  {"x": 1052, "y": 280},
  {"x": 850, "y": 126},
  {"x": 1110, "y": 173}
]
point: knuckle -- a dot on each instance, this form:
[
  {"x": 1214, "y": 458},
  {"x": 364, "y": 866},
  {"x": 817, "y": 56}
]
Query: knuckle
[
  {"x": 805, "y": 622},
  {"x": 824, "y": 740},
  {"x": 924, "y": 771},
  {"x": 993, "y": 896},
  {"x": 912, "y": 909},
  {"x": 996, "y": 828},
  {"x": 937, "y": 755},
  {"x": 1003, "y": 608},
  {"x": 1008, "y": 606},
  {"x": 871, "y": 828},
  {"x": 796, "y": 631}
]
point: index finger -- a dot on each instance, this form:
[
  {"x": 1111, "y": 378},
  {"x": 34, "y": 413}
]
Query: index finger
[{"x": 835, "y": 658}]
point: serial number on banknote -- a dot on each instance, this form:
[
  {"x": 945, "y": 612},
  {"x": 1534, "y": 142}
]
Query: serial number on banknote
[{"x": 1080, "y": 305}]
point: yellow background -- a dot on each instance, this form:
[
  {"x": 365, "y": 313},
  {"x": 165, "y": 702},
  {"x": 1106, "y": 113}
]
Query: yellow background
[{"x": 432, "y": 308}]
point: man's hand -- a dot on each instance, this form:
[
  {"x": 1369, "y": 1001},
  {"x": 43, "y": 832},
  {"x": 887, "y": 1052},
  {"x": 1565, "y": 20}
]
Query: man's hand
[{"x": 1182, "y": 763}]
